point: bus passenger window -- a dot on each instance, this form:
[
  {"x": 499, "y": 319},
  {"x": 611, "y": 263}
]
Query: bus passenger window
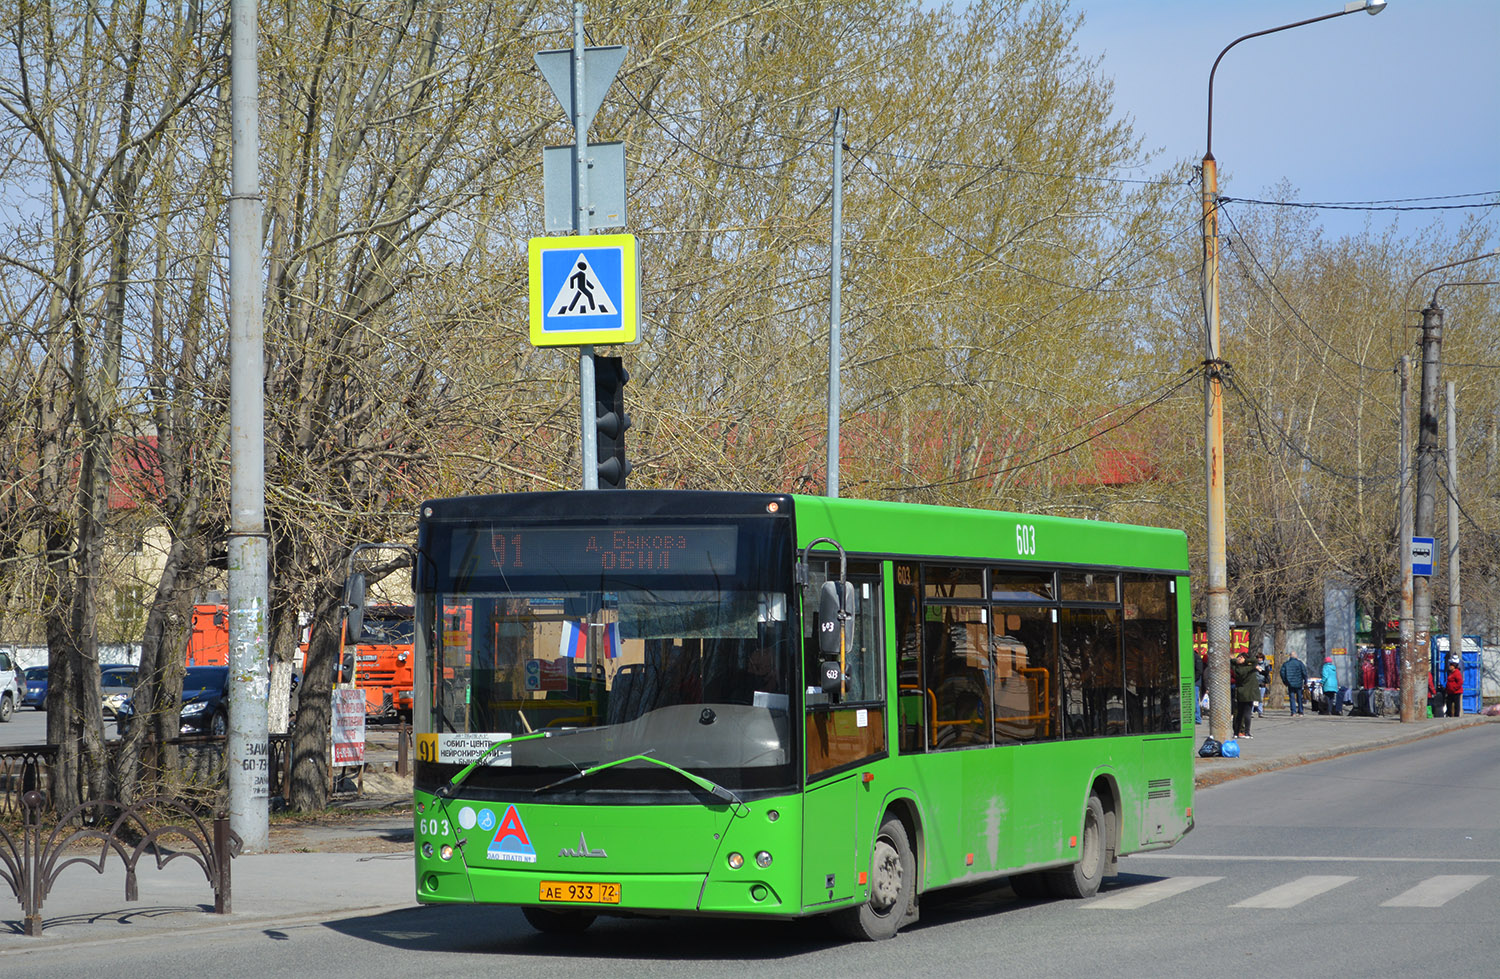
[
  {"x": 911, "y": 699},
  {"x": 957, "y": 665}
]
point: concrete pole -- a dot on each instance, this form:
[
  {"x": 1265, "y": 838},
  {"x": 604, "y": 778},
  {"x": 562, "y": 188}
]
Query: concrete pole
[
  {"x": 1414, "y": 672},
  {"x": 1217, "y": 595},
  {"x": 836, "y": 263},
  {"x": 247, "y": 756},
  {"x": 1404, "y": 532},
  {"x": 1455, "y": 606},
  {"x": 588, "y": 418}
]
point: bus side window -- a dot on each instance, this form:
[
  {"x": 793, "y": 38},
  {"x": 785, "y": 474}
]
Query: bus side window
[{"x": 910, "y": 699}]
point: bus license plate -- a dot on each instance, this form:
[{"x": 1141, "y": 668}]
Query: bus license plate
[{"x": 575, "y": 892}]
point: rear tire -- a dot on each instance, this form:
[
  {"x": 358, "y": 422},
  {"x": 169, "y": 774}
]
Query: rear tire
[
  {"x": 1084, "y": 877},
  {"x": 893, "y": 882},
  {"x": 558, "y": 922}
]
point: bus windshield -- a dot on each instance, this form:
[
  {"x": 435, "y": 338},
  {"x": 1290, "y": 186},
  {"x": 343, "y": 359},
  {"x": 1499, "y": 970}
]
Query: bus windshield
[{"x": 624, "y": 637}]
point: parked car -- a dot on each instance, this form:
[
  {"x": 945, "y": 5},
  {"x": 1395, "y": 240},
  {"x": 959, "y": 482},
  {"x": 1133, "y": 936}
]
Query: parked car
[
  {"x": 117, "y": 681},
  {"x": 35, "y": 694},
  {"x": 10, "y": 686},
  {"x": 205, "y": 703}
]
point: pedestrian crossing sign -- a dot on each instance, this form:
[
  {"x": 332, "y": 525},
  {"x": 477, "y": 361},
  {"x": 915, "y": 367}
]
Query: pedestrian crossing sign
[{"x": 584, "y": 290}]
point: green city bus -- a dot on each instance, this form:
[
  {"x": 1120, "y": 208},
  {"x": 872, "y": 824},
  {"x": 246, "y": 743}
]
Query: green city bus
[{"x": 697, "y": 703}]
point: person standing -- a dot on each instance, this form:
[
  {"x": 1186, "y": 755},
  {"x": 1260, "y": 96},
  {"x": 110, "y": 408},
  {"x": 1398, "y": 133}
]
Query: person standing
[
  {"x": 1453, "y": 689},
  {"x": 1330, "y": 688},
  {"x": 1197, "y": 688},
  {"x": 1245, "y": 690},
  {"x": 1294, "y": 675},
  {"x": 1262, "y": 680}
]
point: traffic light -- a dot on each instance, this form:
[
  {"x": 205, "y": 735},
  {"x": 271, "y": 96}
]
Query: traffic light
[{"x": 611, "y": 421}]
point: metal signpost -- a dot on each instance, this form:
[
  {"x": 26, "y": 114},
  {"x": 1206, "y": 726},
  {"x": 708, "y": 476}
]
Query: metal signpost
[{"x": 570, "y": 313}]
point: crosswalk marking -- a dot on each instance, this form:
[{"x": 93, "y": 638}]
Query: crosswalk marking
[
  {"x": 1292, "y": 894},
  {"x": 1141, "y": 895},
  {"x": 1434, "y": 892}
]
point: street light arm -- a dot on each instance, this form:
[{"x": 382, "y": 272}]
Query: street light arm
[
  {"x": 1438, "y": 268},
  {"x": 1351, "y": 8},
  {"x": 1444, "y": 285}
]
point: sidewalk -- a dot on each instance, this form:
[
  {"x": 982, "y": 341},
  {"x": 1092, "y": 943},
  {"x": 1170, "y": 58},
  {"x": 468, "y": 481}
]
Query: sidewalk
[
  {"x": 1281, "y": 741},
  {"x": 356, "y": 863}
]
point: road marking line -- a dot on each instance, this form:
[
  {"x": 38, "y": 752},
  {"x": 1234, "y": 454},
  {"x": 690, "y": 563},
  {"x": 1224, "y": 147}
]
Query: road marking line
[
  {"x": 1293, "y": 894},
  {"x": 1260, "y": 858},
  {"x": 1130, "y": 898},
  {"x": 1434, "y": 892}
]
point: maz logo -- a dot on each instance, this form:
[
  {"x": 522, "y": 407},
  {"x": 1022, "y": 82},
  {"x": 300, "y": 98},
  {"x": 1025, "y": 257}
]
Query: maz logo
[{"x": 583, "y": 850}]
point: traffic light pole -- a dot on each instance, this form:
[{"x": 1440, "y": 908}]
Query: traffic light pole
[{"x": 589, "y": 454}]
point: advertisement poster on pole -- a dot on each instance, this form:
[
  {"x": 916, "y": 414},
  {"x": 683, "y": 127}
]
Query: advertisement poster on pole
[{"x": 348, "y": 726}]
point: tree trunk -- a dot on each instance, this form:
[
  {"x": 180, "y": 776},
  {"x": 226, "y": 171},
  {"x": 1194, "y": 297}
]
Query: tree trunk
[{"x": 312, "y": 734}]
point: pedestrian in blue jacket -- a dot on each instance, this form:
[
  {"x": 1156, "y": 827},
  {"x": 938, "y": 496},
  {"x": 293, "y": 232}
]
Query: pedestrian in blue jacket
[
  {"x": 1330, "y": 687},
  {"x": 1294, "y": 675}
]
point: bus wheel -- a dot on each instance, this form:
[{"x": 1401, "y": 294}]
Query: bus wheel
[
  {"x": 1083, "y": 878},
  {"x": 893, "y": 881},
  {"x": 557, "y": 922}
]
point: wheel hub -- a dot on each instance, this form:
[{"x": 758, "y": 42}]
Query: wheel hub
[{"x": 885, "y": 882}]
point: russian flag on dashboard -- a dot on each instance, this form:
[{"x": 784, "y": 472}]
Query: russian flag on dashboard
[
  {"x": 575, "y": 640},
  {"x": 611, "y": 640}
]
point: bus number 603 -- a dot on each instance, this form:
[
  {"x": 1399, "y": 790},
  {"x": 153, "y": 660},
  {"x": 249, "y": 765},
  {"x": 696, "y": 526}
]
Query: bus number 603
[{"x": 1025, "y": 538}]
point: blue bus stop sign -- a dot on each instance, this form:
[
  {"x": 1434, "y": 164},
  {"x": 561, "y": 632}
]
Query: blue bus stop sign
[
  {"x": 584, "y": 290},
  {"x": 1423, "y": 555}
]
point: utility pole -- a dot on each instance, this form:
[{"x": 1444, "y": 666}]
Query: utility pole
[
  {"x": 1404, "y": 533},
  {"x": 247, "y": 755},
  {"x": 1455, "y": 605},
  {"x": 1415, "y": 669}
]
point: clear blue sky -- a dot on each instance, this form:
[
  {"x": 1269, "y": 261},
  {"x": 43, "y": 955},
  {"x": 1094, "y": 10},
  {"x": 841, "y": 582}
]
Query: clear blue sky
[{"x": 1402, "y": 104}]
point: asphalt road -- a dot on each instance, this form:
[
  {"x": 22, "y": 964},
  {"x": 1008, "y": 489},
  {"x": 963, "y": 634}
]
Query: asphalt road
[
  {"x": 1375, "y": 864},
  {"x": 27, "y": 726}
]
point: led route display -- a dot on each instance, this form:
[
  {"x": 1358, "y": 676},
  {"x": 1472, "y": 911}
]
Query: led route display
[{"x": 672, "y": 549}]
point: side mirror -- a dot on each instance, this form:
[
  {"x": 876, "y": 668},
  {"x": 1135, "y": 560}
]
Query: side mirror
[
  {"x": 836, "y": 604},
  {"x": 832, "y": 677},
  {"x": 354, "y": 607}
]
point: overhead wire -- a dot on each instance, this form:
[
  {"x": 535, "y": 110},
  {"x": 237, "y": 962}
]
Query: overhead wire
[{"x": 1166, "y": 390}]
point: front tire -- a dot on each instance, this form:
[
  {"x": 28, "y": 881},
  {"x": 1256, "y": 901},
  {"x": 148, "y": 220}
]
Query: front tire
[
  {"x": 1084, "y": 877},
  {"x": 218, "y": 725},
  {"x": 893, "y": 882},
  {"x": 557, "y": 922},
  {"x": 7, "y": 708}
]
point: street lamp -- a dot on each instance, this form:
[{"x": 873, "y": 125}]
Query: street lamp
[{"x": 1213, "y": 399}]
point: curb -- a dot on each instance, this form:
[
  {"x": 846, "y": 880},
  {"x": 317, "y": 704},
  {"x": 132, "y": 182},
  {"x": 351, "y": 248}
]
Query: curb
[{"x": 1215, "y": 775}]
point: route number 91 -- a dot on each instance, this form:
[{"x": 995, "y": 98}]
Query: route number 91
[{"x": 1025, "y": 538}]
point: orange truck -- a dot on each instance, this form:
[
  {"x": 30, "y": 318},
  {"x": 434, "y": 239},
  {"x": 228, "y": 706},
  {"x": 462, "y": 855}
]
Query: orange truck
[
  {"x": 208, "y": 643},
  {"x": 382, "y": 660},
  {"x": 380, "y": 664}
]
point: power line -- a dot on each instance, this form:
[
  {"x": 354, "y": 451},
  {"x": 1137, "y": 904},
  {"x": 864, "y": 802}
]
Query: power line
[
  {"x": 1392, "y": 205},
  {"x": 1242, "y": 244},
  {"x": 1167, "y": 389}
]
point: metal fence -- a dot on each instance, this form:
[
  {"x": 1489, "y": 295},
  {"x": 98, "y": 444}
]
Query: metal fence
[{"x": 199, "y": 773}]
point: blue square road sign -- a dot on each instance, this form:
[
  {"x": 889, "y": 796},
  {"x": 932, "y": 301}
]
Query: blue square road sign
[{"x": 584, "y": 290}]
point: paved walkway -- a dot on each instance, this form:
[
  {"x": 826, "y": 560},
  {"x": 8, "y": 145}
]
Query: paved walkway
[
  {"x": 353, "y": 865},
  {"x": 1279, "y": 740}
]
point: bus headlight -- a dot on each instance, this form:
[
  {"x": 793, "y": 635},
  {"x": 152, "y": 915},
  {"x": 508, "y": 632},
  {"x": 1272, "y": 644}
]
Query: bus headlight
[
  {"x": 763, "y": 859},
  {"x": 446, "y": 852},
  {"x": 736, "y": 861}
]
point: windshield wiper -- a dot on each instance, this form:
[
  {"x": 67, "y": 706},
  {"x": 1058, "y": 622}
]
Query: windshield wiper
[
  {"x": 446, "y": 790},
  {"x": 717, "y": 791}
]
